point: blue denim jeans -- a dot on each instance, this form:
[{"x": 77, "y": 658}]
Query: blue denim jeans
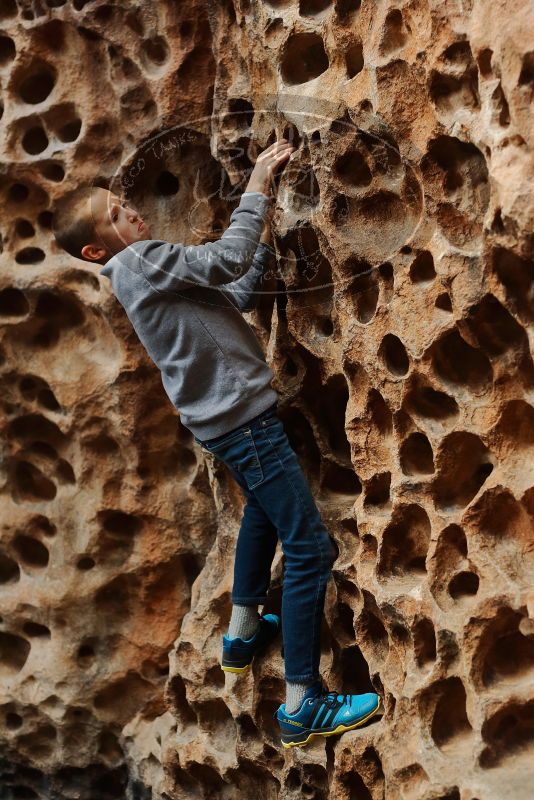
[{"x": 279, "y": 505}]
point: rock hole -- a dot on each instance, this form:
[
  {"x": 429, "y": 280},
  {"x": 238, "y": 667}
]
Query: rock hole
[
  {"x": 416, "y": 455},
  {"x": 500, "y": 104},
  {"x": 13, "y": 721},
  {"x": 364, "y": 290},
  {"x": 370, "y": 629},
  {"x": 394, "y": 37},
  {"x": 309, "y": 8},
  {"x": 36, "y": 87},
  {"x": 101, "y": 444},
  {"x": 430, "y": 403},
  {"x": 450, "y": 93},
  {"x": 178, "y": 700},
  {"x": 24, "y": 229},
  {"x": 352, "y": 168},
  {"x": 405, "y": 544},
  {"x": 304, "y": 58},
  {"x": 493, "y": 326},
  {"x": 464, "y": 467},
  {"x": 9, "y": 570},
  {"x": 240, "y": 112},
  {"x": 340, "y": 480},
  {"x": 70, "y": 131},
  {"x": 379, "y": 412},
  {"x": 508, "y": 732},
  {"x": 504, "y": 654},
  {"x": 393, "y": 354},
  {"x": 458, "y": 53},
  {"x": 7, "y": 50},
  {"x": 53, "y": 171},
  {"x": 36, "y": 630},
  {"x": 369, "y": 547},
  {"x": 45, "y": 219},
  {"x": 293, "y": 781},
  {"x": 155, "y": 50},
  {"x": 422, "y": 268},
  {"x": 526, "y": 76},
  {"x": 377, "y": 492},
  {"x": 8, "y": 9},
  {"x": 450, "y": 724},
  {"x": 18, "y": 192},
  {"x": 517, "y": 276},
  {"x": 464, "y": 584},
  {"x": 424, "y": 639},
  {"x": 346, "y": 8},
  {"x": 14, "y": 652},
  {"x": 13, "y": 303},
  {"x": 460, "y": 365},
  {"x": 35, "y": 140},
  {"x": 120, "y": 523},
  {"x": 247, "y": 727},
  {"x": 354, "y": 59},
  {"x": 30, "y": 255},
  {"x": 484, "y": 62},
  {"x": 31, "y": 551},
  {"x": 443, "y": 301},
  {"x": 86, "y": 653},
  {"x": 85, "y": 563}
]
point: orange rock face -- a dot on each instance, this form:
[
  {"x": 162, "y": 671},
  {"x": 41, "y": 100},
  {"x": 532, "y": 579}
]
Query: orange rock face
[{"x": 397, "y": 325}]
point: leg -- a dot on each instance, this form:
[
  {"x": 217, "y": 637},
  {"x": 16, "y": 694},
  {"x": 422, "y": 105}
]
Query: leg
[
  {"x": 261, "y": 455},
  {"x": 255, "y": 549},
  {"x": 286, "y": 499}
]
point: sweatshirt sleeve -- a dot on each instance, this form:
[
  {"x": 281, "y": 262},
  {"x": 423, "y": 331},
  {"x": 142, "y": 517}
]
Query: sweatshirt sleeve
[
  {"x": 243, "y": 290},
  {"x": 175, "y": 267}
]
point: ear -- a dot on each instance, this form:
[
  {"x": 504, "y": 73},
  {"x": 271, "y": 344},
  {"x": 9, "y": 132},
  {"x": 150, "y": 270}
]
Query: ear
[{"x": 93, "y": 253}]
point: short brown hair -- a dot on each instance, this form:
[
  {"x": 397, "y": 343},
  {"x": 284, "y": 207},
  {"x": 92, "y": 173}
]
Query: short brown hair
[{"x": 72, "y": 225}]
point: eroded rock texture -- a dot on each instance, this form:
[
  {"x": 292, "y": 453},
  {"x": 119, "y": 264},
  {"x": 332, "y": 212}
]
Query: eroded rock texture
[{"x": 397, "y": 326}]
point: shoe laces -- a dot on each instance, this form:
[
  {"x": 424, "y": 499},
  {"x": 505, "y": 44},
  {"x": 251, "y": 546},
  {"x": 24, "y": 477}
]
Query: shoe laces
[{"x": 330, "y": 699}]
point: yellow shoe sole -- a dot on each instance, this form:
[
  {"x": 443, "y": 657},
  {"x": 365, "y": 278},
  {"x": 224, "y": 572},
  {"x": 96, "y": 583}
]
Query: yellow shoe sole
[
  {"x": 339, "y": 729},
  {"x": 237, "y": 669}
]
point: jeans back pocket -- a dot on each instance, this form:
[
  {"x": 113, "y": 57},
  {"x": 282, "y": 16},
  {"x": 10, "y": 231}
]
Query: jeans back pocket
[{"x": 239, "y": 452}]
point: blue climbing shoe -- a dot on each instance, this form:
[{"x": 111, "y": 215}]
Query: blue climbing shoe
[
  {"x": 324, "y": 713},
  {"x": 238, "y": 653}
]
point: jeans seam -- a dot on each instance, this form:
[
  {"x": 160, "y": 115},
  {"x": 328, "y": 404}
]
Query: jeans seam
[
  {"x": 317, "y": 543},
  {"x": 253, "y": 443}
]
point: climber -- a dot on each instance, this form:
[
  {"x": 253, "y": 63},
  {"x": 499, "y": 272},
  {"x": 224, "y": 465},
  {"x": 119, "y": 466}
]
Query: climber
[{"x": 185, "y": 304}]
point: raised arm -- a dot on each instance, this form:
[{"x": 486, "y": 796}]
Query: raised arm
[
  {"x": 175, "y": 267},
  {"x": 243, "y": 291}
]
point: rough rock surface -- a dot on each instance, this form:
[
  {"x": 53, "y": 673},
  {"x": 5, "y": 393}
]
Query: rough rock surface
[{"x": 397, "y": 328}]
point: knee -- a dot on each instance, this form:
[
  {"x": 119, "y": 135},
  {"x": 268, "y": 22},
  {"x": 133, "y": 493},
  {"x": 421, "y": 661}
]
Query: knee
[{"x": 313, "y": 561}]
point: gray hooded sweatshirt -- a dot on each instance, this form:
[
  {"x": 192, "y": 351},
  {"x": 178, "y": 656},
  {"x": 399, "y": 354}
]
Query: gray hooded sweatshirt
[{"x": 185, "y": 304}]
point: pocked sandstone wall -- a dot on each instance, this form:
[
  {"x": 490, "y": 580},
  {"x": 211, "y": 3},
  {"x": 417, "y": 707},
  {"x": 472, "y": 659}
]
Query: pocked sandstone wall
[{"x": 397, "y": 326}]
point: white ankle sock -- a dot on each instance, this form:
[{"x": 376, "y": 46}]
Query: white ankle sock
[
  {"x": 294, "y": 694},
  {"x": 243, "y": 622}
]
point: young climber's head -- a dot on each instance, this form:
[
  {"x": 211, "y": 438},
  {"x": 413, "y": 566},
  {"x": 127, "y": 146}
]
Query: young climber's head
[{"x": 93, "y": 224}]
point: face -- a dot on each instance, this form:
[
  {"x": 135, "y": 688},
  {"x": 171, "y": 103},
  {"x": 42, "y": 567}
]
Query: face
[{"x": 117, "y": 225}]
